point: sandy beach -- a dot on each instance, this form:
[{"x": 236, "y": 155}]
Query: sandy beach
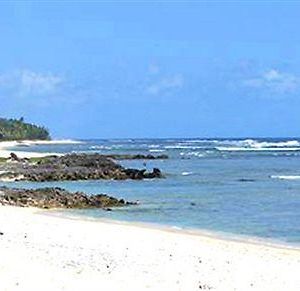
[
  {"x": 5, "y": 147},
  {"x": 46, "y": 252}
]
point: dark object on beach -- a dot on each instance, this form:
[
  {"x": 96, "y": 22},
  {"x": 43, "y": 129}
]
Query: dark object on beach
[
  {"x": 204, "y": 287},
  {"x": 14, "y": 157},
  {"x": 1, "y": 233},
  {"x": 57, "y": 198},
  {"x": 75, "y": 167}
]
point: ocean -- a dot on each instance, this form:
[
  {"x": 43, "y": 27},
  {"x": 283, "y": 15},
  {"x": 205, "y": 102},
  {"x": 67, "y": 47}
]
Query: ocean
[{"x": 237, "y": 187}]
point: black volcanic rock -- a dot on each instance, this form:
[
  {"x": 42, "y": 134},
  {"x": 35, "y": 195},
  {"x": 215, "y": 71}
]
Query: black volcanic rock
[
  {"x": 57, "y": 198},
  {"x": 137, "y": 157},
  {"x": 74, "y": 167}
]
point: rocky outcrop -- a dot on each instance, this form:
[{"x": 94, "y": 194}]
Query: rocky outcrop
[
  {"x": 73, "y": 167},
  {"x": 142, "y": 174},
  {"x": 56, "y": 198},
  {"x": 137, "y": 157}
]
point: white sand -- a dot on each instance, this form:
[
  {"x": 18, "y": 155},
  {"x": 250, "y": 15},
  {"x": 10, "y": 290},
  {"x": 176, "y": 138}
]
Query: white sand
[
  {"x": 42, "y": 252},
  {"x": 22, "y": 154},
  {"x": 5, "y": 147}
]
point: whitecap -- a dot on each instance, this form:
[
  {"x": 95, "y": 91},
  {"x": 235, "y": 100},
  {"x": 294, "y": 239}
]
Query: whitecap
[
  {"x": 239, "y": 149},
  {"x": 204, "y": 141},
  {"x": 100, "y": 147},
  {"x": 290, "y": 143},
  {"x": 251, "y": 143},
  {"x": 186, "y": 173},
  {"x": 196, "y": 154},
  {"x": 183, "y": 147},
  {"x": 286, "y": 177},
  {"x": 154, "y": 146}
]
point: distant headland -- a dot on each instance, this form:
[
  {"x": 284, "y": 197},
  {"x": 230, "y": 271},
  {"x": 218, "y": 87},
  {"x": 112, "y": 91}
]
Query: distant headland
[{"x": 18, "y": 129}]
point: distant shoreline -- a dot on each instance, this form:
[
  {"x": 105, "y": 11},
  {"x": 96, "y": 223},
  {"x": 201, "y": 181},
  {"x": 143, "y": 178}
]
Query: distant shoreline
[{"x": 6, "y": 147}]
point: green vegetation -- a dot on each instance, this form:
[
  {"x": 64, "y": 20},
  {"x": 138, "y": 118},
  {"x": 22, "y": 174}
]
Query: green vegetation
[
  {"x": 40, "y": 160},
  {"x": 17, "y": 129}
]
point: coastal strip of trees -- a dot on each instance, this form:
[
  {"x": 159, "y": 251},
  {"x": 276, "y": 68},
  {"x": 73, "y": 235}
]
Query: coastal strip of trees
[{"x": 18, "y": 129}]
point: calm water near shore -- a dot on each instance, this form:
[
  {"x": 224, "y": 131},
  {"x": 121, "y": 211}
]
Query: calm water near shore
[{"x": 248, "y": 186}]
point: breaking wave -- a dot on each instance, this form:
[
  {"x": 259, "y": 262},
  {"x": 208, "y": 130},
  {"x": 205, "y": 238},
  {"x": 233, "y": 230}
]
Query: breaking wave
[
  {"x": 186, "y": 173},
  {"x": 255, "y": 145},
  {"x": 195, "y": 154},
  {"x": 235, "y": 149},
  {"x": 286, "y": 177},
  {"x": 266, "y": 144}
]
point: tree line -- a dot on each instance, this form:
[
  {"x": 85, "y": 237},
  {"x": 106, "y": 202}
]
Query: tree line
[{"x": 17, "y": 129}]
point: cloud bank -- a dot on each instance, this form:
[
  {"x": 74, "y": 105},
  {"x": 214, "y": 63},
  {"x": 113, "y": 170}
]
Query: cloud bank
[
  {"x": 274, "y": 81},
  {"x": 23, "y": 83}
]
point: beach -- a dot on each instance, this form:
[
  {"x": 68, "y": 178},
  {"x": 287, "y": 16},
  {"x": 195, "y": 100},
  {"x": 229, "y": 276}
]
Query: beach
[
  {"x": 42, "y": 251},
  {"x": 5, "y": 147},
  {"x": 150, "y": 145}
]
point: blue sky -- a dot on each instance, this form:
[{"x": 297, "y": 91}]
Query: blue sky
[{"x": 91, "y": 69}]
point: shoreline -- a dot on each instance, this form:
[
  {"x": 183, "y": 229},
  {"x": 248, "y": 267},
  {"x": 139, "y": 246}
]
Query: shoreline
[
  {"x": 6, "y": 147},
  {"x": 75, "y": 255},
  {"x": 210, "y": 234}
]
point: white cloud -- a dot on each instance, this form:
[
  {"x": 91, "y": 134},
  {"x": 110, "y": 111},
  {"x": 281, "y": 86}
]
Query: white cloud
[
  {"x": 41, "y": 83},
  {"x": 26, "y": 82},
  {"x": 274, "y": 81},
  {"x": 166, "y": 84}
]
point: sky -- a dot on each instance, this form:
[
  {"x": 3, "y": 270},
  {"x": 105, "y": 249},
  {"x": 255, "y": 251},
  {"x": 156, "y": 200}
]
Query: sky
[{"x": 120, "y": 69}]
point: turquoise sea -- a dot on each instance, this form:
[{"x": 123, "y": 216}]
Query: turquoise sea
[{"x": 248, "y": 187}]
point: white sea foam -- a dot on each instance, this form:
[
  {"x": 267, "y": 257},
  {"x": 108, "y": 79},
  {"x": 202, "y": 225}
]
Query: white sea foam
[
  {"x": 186, "y": 173},
  {"x": 183, "y": 147},
  {"x": 156, "y": 151},
  {"x": 203, "y": 141},
  {"x": 290, "y": 143},
  {"x": 196, "y": 154},
  {"x": 251, "y": 143},
  {"x": 286, "y": 177},
  {"x": 236, "y": 149},
  {"x": 100, "y": 147},
  {"x": 237, "y": 145},
  {"x": 154, "y": 146}
]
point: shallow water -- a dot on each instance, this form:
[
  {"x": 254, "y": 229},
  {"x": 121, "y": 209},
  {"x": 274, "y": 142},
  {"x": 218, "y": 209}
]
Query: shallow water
[{"x": 247, "y": 187}]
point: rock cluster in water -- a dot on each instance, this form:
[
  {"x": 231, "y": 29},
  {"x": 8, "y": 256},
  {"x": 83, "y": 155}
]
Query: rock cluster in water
[
  {"x": 56, "y": 198},
  {"x": 75, "y": 167},
  {"x": 137, "y": 157}
]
